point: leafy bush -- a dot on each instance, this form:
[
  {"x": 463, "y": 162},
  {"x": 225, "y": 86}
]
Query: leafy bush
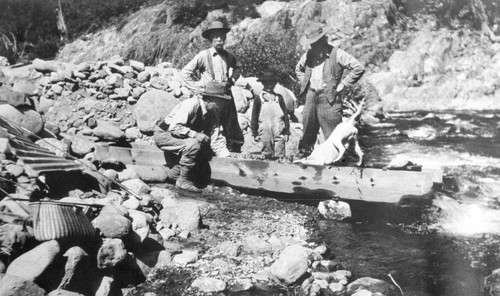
[{"x": 256, "y": 53}]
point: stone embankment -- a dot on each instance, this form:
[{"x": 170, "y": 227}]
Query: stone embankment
[{"x": 126, "y": 229}]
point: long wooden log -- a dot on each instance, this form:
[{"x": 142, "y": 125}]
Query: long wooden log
[
  {"x": 308, "y": 181},
  {"x": 349, "y": 183}
]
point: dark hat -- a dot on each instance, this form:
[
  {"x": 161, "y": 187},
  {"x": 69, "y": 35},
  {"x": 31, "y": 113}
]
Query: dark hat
[
  {"x": 215, "y": 26},
  {"x": 267, "y": 75},
  {"x": 216, "y": 89},
  {"x": 312, "y": 34}
]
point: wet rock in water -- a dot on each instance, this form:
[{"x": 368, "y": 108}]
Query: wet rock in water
[
  {"x": 371, "y": 284},
  {"x": 111, "y": 253},
  {"x": 33, "y": 263},
  {"x": 152, "y": 107},
  {"x": 424, "y": 132},
  {"x": 112, "y": 225},
  {"x": 62, "y": 292},
  {"x": 492, "y": 283},
  {"x": 339, "y": 276},
  {"x": 256, "y": 245},
  {"x": 291, "y": 265},
  {"x": 400, "y": 164},
  {"x": 209, "y": 285},
  {"x": 335, "y": 210},
  {"x": 327, "y": 266},
  {"x": 137, "y": 186},
  {"x": 181, "y": 216},
  {"x": 186, "y": 257},
  {"x": 22, "y": 116},
  {"x": 11, "y": 285}
]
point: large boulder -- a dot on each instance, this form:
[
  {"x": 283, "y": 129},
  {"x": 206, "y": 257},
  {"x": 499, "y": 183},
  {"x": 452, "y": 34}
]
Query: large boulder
[
  {"x": 291, "y": 265},
  {"x": 181, "y": 216},
  {"x": 33, "y": 263},
  {"x": 108, "y": 131},
  {"x": 152, "y": 107},
  {"x": 335, "y": 210},
  {"x": 11, "y": 285},
  {"x": 112, "y": 225},
  {"x": 111, "y": 253},
  {"x": 24, "y": 117},
  {"x": 371, "y": 284}
]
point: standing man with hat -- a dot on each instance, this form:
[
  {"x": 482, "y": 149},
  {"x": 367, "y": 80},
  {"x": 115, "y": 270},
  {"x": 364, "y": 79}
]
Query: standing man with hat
[
  {"x": 216, "y": 65},
  {"x": 189, "y": 124},
  {"x": 320, "y": 72}
]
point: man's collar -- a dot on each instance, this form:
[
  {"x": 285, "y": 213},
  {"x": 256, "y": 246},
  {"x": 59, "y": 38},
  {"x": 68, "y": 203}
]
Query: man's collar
[{"x": 214, "y": 52}]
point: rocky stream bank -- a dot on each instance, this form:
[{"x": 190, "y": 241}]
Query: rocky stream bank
[{"x": 72, "y": 225}]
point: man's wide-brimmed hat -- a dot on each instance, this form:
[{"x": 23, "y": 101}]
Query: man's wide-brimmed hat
[
  {"x": 216, "y": 89},
  {"x": 312, "y": 34},
  {"x": 215, "y": 26},
  {"x": 268, "y": 75}
]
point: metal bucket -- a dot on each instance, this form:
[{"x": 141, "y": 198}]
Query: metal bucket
[{"x": 53, "y": 220}]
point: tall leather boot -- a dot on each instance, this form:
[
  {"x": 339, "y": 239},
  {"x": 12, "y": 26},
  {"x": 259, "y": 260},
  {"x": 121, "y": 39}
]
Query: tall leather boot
[
  {"x": 174, "y": 173},
  {"x": 183, "y": 181}
]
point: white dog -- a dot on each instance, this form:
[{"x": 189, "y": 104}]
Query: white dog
[{"x": 333, "y": 149}]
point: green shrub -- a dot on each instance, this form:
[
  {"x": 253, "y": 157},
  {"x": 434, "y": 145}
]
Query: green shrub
[{"x": 256, "y": 53}]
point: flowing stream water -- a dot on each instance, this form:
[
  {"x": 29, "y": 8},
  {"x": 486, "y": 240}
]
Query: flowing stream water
[{"x": 450, "y": 245}]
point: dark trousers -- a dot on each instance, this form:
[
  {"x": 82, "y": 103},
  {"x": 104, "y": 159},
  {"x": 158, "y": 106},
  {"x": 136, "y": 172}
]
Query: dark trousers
[
  {"x": 188, "y": 154},
  {"x": 318, "y": 112},
  {"x": 231, "y": 127}
]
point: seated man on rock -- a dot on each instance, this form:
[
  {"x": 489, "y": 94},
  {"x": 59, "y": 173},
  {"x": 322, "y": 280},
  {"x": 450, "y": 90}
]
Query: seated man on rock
[{"x": 189, "y": 124}]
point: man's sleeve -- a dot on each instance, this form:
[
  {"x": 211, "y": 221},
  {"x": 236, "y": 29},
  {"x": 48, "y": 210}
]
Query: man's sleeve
[
  {"x": 178, "y": 123},
  {"x": 347, "y": 61},
  {"x": 300, "y": 68},
  {"x": 254, "y": 123},
  {"x": 188, "y": 72}
]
